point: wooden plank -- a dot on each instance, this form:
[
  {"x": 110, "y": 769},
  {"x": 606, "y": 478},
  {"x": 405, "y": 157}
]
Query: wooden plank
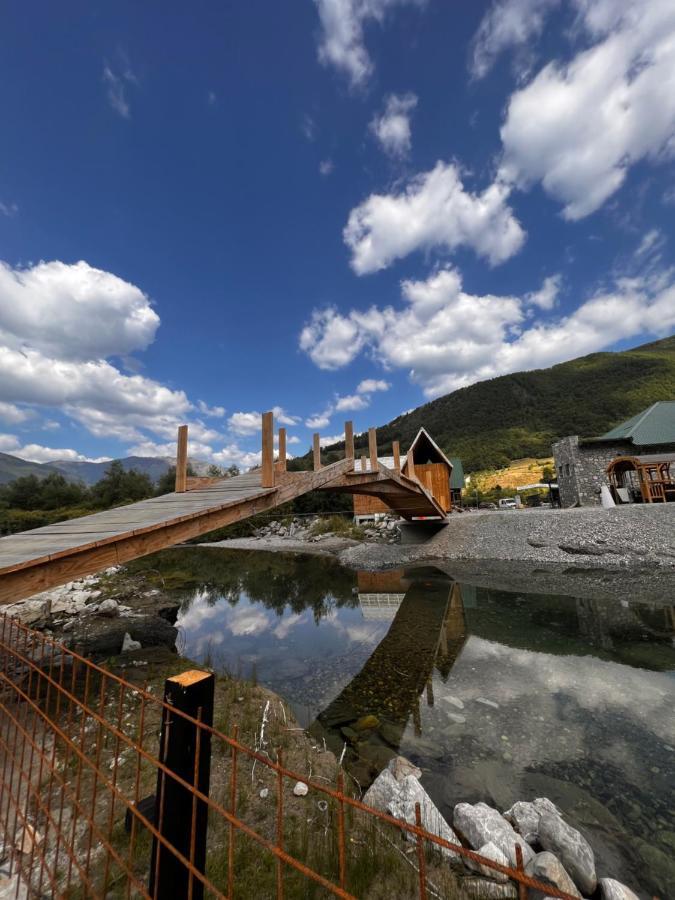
[
  {"x": 317, "y": 452},
  {"x": 181, "y": 459},
  {"x": 372, "y": 448},
  {"x": 349, "y": 440},
  {"x": 364, "y": 460},
  {"x": 396, "y": 449},
  {"x": 281, "y": 465},
  {"x": 267, "y": 474}
]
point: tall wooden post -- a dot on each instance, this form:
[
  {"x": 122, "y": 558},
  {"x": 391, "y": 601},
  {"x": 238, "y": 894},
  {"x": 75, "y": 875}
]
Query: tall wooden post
[
  {"x": 410, "y": 465},
  {"x": 181, "y": 818},
  {"x": 267, "y": 479},
  {"x": 282, "y": 450},
  {"x": 181, "y": 459},
  {"x": 396, "y": 449},
  {"x": 317, "y": 452},
  {"x": 372, "y": 449},
  {"x": 349, "y": 440},
  {"x": 364, "y": 462}
]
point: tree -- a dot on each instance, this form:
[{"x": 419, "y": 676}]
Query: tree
[
  {"x": 166, "y": 484},
  {"x": 547, "y": 474},
  {"x": 119, "y": 486}
]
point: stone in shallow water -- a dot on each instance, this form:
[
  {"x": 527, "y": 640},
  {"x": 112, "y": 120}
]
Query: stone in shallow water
[
  {"x": 481, "y": 889},
  {"x": 547, "y": 868},
  {"x": 525, "y": 817},
  {"x": 400, "y": 768},
  {"x": 611, "y": 889},
  {"x": 487, "y": 702},
  {"x": 572, "y": 848},
  {"x": 489, "y": 851},
  {"x": 481, "y": 824}
]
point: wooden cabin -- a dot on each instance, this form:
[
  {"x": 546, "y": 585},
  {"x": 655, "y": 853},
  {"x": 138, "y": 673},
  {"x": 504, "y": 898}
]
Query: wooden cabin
[{"x": 425, "y": 461}]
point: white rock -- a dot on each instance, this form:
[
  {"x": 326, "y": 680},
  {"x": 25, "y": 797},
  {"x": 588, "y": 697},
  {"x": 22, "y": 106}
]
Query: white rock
[
  {"x": 481, "y": 824},
  {"x": 400, "y": 767},
  {"x": 454, "y": 701},
  {"x": 479, "y": 889},
  {"x": 109, "y": 608},
  {"x": 264, "y": 793},
  {"x": 571, "y": 848},
  {"x": 489, "y": 851},
  {"x": 129, "y": 643},
  {"x": 547, "y": 868},
  {"x": 460, "y": 720},
  {"x": 525, "y": 817},
  {"x": 611, "y": 889},
  {"x": 300, "y": 789},
  {"x": 487, "y": 702}
]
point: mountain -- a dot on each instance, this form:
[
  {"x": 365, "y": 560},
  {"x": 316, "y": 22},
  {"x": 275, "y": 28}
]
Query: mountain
[
  {"x": 12, "y": 467},
  {"x": 91, "y": 472},
  {"x": 492, "y": 422}
]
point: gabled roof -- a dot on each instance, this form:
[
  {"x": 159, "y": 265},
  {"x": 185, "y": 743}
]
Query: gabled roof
[
  {"x": 422, "y": 435},
  {"x": 653, "y": 426}
]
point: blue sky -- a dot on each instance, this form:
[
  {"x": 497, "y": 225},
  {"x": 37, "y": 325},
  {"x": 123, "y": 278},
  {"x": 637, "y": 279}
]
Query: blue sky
[{"x": 337, "y": 208}]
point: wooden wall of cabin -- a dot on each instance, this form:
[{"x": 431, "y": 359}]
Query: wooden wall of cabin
[{"x": 365, "y": 505}]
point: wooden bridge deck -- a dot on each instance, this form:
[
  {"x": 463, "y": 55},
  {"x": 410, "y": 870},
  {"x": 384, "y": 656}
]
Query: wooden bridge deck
[{"x": 36, "y": 560}]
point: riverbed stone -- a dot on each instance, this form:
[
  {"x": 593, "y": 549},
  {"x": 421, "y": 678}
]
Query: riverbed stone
[
  {"x": 109, "y": 608},
  {"x": 525, "y": 816},
  {"x": 477, "y": 888},
  {"x": 481, "y": 824},
  {"x": 547, "y": 867},
  {"x": 400, "y": 768},
  {"x": 572, "y": 848},
  {"x": 128, "y": 643},
  {"x": 489, "y": 851},
  {"x": 611, "y": 889}
]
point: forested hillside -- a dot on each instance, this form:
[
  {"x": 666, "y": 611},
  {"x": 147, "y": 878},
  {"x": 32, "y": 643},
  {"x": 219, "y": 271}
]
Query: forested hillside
[{"x": 514, "y": 416}]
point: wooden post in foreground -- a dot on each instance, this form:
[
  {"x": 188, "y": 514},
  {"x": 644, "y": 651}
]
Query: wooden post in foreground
[
  {"x": 317, "y": 452},
  {"x": 349, "y": 440},
  {"x": 267, "y": 479},
  {"x": 410, "y": 464},
  {"x": 396, "y": 450},
  {"x": 282, "y": 450},
  {"x": 180, "y": 817},
  {"x": 372, "y": 449},
  {"x": 181, "y": 459},
  {"x": 364, "y": 460}
]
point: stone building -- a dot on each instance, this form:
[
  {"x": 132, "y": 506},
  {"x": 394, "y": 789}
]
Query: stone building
[{"x": 581, "y": 463}]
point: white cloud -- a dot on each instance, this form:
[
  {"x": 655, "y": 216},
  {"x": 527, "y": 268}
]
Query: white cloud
[
  {"x": 9, "y": 443},
  {"x": 434, "y": 210},
  {"x": 248, "y": 423},
  {"x": 116, "y": 84},
  {"x": 352, "y": 402},
  {"x": 326, "y": 167},
  {"x": 579, "y": 126},
  {"x": 447, "y": 338},
  {"x": 330, "y": 439},
  {"x": 342, "y": 23},
  {"x": 74, "y": 311},
  {"x": 11, "y": 414},
  {"x": 8, "y": 209},
  {"x": 547, "y": 294},
  {"x": 331, "y": 340},
  {"x": 392, "y": 127},
  {"x": 371, "y": 385},
  {"x": 652, "y": 242},
  {"x": 320, "y": 420},
  {"x": 214, "y": 412},
  {"x": 508, "y": 23}
]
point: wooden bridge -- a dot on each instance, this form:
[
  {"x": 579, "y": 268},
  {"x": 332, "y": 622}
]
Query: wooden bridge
[{"x": 36, "y": 560}]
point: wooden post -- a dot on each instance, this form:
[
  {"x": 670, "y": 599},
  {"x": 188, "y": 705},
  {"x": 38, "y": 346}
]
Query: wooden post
[
  {"x": 349, "y": 440},
  {"x": 396, "y": 449},
  {"x": 181, "y": 459},
  {"x": 372, "y": 449},
  {"x": 317, "y": 452},
  {"x": 410, "y": 465},
  {"x": 182, "y": 819},
  {"x": 267, "y": 480},
  {"x": 364, "y": 460},
  {"x": 282, "y": 450}
]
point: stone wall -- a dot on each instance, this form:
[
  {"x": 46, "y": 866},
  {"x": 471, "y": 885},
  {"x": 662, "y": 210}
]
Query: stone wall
[{"x": 582, "y": 469}]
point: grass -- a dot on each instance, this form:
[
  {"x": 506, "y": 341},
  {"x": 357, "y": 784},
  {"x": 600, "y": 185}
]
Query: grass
[{"x": 341, "y": 526}]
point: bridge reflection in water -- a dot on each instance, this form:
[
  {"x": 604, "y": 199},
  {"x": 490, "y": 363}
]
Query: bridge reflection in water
[{"x": 368, "y": 718}]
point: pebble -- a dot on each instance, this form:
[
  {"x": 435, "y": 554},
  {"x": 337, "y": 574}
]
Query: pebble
[
  {"x": 264, "y": 793},
  {"x": 487, "y": 702},
  {"x": 300, "y": 789}
]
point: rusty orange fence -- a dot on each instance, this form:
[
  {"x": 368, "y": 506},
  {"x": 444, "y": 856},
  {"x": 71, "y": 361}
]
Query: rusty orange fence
[{"x": 108, "y": 790}]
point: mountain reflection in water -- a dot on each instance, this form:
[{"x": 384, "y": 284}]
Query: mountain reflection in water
[{"x": 496, "y": 695}]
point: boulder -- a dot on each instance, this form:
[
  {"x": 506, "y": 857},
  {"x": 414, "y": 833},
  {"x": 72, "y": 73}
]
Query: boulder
[
  {"x": 128, "y": 643},
  {"x": 109, "y": 609},
  {"x": 610, "y": 889},
  {"x": 525, "y": 817},
  {"x": 481, "y": 824},
  {"x": 572, "y": 848},
  {"x": 481, "y": 889},
  {"x": 547, "y": 868},
  {"x": 489, "y": 851}
]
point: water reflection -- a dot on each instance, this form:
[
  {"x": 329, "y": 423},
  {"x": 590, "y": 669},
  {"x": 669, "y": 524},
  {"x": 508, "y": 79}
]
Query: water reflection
[{"x": 497, "y": 695}]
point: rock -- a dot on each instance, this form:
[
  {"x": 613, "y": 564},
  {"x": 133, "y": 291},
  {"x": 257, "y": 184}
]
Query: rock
[
  {"x": 547, "y": 868},
  {"x": 264, "y": 793},
  {"x": 349, "y": 733},
  {"x": 572, "y": 848},
  {"x": 454, "y": 701},
  {"x": 400, "y": 768},
  {"x": 109, "y": 608},
  {"x": 29, "y": 840},
  {"x": 382, "y": 790},
  {"x": 489, "y": 851},
  {"x": 525, "y": 817},
  {"x": 300, "y": 789},
  {"x": 583, "y": 549},
  {"x": 460, "y": 720},
  {"x": 610, "y": 889},
  {"x": 366, "y": 722},
  {"x": 481, "y": 824},
  {"x": 487, "y": 702},
  {"x": 481, "y": 889},
  {"x": 129, "y": 643}
]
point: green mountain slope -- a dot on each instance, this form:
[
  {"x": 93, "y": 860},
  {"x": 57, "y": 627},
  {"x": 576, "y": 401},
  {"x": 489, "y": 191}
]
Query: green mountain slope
[
  {"x": 12, "y": 467},
  {"x": 492, "y": 422}
]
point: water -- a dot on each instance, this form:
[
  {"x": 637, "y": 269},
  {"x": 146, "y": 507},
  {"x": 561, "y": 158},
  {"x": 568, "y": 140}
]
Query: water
[{"x": 497, "y": 696}]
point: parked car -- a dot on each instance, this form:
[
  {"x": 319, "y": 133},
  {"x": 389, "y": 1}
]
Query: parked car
[
  {"x": 507, "y": 503},
  {"x": 486, "y": 505}
]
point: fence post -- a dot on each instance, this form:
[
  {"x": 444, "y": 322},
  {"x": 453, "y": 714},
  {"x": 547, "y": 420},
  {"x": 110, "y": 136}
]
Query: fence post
[
  {"x": 267, "y": 480},
  {"x": 349, "y": 440},
  {"x": 179, "y": 819},
  {"x": 181, "y": 459}
]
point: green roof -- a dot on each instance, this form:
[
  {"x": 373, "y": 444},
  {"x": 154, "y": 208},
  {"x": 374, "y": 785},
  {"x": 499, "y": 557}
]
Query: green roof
[
  {"x": 457, "y": 477},
  {"x": 653, "y": 426}
]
